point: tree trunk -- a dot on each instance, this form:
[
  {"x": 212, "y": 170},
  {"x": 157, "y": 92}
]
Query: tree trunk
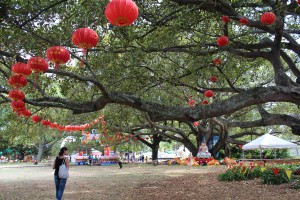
[
  {"x": 191, "y": 147},
  {"x": 40, "y": 152},
  {"x": 155, "y": 151}
]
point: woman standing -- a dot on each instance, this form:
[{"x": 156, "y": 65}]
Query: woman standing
[{"x": 60, "y": 183}]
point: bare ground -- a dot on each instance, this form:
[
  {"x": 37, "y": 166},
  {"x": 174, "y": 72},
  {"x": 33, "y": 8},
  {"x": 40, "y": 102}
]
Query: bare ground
[{"x": 135, "y": 182}]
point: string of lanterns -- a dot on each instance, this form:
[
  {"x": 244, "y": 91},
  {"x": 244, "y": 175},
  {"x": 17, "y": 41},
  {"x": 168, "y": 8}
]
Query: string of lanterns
[
  {"x": 267, "y": 18},
  {"x": 118, "y": 12}
]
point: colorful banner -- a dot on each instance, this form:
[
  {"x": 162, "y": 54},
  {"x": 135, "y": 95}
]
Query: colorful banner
[
  {"x": 288, "y": 173},
  {"x": 275, "y": 171}
]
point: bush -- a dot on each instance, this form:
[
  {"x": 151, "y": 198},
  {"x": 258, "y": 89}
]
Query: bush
[
  {"x": 270, "y": 178},
  {"x": 295, "y": 183},
  {"x": 231, "y": 175}
]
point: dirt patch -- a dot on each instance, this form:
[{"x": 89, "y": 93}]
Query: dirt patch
[{"x": 135, "y": 182}]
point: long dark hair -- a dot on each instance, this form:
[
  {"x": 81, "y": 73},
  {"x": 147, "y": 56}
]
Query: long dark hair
[{"x": 62, "y": 150}]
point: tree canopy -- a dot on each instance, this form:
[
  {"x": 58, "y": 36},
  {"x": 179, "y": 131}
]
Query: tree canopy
[{"x": 162, "y": 60}]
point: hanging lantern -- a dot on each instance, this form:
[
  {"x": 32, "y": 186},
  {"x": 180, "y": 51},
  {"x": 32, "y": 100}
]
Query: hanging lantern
[
  {"x": 85, "y": 38},
  {"x": 225, "y": 19},
  {"x": 17, "y": 81},
  {"x": 268, "y": 18},
  {"x": 299, "y": 2},
  {"x": 205, "y": 102},
  {"x": 36, "y": 118},
  {"x": 217, "y": 62},
  {"x": 191, "y": 102},
  {"x": 121, "y": 12},
  {"x": 213, "y": 79},
  {"x": 38, "y": 65},
  {"x": 53, "y": 125},
  {"x": 222, "y": 41},
  {"x": 196, "y": 124},
  {"x": 16, "y": 95},
  {"x": 17, "y": 105},
  {"x": 46, "y": 122},
  {"x": 58, "y": 55},
  {"x": 208, "y": 93},
  {"x": 21, "y": 69},
  {"x": 244, "y": 21},
  {"x": 25, "y": 113}
]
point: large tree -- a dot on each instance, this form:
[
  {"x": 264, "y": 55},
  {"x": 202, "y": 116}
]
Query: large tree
[{"x": 164, "y": 57}]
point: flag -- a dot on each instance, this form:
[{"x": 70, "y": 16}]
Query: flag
[{"x": 288, "y": 173}]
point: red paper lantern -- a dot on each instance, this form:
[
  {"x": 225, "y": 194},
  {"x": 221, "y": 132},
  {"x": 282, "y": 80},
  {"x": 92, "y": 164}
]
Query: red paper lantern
[
  {"x": 217, "y": 62},
  {"x": 222, "y": 41},
  {"x": 213, "y": 79},
  {"x": 17, "y": 105},
  {"x": 205, "y": 102},
  {"x": 38, "y": 64},
  {"x": 121, "y": 12},
  {"x": 17, "y": 81},
  {"x": 25, "y": 113},
  {"x": 21, "y": 69},
  {"x": 53, "y": 125},
  {"x": 85, "y": 38},
  {"x": 225, "y": 19},
  {"x": 244, "y": 21},
  {"x": 196, "y": 123},
  {"x": 46, "y": 122},
  {"x": 208, "y": 93},
  {"x": 299, "y": 2},
  {"x": 58, "y": 55},
  {"x": 16, "y": 95},
  {"x": 268, "y": 18},
  {"x": 36, "y": 118},
  {"x": 192, "y": 103}
]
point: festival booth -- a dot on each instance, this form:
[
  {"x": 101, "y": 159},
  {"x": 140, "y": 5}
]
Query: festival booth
[
  {"x": 109, "y": 157},
  {"x": 267, "y": 141},
  {"x": 81, "y": 158}
]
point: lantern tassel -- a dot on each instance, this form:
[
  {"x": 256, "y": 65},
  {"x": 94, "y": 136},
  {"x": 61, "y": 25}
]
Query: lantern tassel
[
  {"x": 56, "y": 67},
  {"x": 82, "y": 63},
  {"x": 84, "y": 51}
]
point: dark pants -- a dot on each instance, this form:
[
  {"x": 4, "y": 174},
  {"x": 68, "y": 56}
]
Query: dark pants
[
  {"x": 120, "y": 164},
  {"x": 60, "y": 184}
]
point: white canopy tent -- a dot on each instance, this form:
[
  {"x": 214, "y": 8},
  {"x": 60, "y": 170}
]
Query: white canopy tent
[{"x": 268, "y": 141}]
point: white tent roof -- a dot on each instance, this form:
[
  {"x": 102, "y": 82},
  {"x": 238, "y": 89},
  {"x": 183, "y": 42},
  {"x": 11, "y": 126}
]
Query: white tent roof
[{"x": 268, "y": 141}]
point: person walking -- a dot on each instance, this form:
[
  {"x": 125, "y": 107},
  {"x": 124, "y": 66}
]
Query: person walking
[
  {"x": 120, "y": 161},
  {"x": 190, "y": 161},
  {"x": 60, "y": 183}
]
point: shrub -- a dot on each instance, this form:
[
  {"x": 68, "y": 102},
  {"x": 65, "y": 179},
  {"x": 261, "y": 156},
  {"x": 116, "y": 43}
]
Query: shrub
[
  {"x": 231, "y": 175},
  {"x": 270, "y": 178}
]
